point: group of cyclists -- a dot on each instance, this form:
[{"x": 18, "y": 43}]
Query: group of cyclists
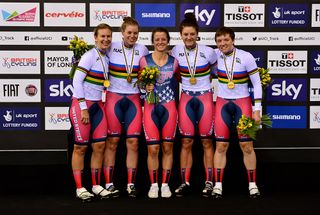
[{"x": 107, "y": 101}]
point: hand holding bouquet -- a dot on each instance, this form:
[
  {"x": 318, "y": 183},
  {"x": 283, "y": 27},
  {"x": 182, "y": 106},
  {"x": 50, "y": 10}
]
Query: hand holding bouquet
[
  {"x": 247, "y": 125},
  {"x": 265, "y": 77},
  {"x": 79, "y": 47},
  {"x": 148, "y": 76}
]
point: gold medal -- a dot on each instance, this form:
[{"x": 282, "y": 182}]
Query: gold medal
[
  {"x": 106, "y": 83},
  {"x": 193, "y": 80},
  {"x": 230, "y": 84},
  {"x": 129, "y": 79}
]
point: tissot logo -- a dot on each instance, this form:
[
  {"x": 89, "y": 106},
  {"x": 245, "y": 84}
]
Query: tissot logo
[
  {"x": 289, "y": 62},
  {"x": 287, "y": 90},
  {"x": 288, "y": 116},
  {"x": 315, "y": 89},
  {"x": 207, "y": 15},
  {"x": 244, "y": 15}
]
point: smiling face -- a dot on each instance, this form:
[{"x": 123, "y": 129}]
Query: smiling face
[
  {"x": 130, "y": 35},
  {"x": 189, "y": 36},
  {"x": 103, "y": 39},
  {"x": 160, "y": 41},
  {"x": 225, "y": 43}
]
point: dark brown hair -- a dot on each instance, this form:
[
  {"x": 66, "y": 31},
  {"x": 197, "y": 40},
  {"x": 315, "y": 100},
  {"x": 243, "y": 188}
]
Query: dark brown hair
[
  {"x": 160, "y": 29},
  {"x": 189, "y": 21},
  {"x": 223, "y": 31}
]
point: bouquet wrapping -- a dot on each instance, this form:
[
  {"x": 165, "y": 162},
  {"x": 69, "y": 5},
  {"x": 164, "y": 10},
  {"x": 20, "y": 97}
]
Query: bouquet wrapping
[
  {"x": 247, "y": 125},
  {"x": 78, "y": 47},
  {"x": 148, "y": 76}
]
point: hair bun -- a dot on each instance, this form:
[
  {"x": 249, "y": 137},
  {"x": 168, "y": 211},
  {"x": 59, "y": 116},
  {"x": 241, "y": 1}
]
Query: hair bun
[{"x": 190, "y": 17}]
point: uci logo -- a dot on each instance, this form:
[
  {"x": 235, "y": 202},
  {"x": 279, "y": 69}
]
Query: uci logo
[{"x": 202, "y": 15}]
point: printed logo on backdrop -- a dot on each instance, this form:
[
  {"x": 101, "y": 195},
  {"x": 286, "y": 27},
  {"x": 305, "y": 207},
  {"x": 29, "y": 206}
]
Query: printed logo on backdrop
[
  {"x": 111, "y": 13},
  {"x": 259, "y": 57},
  {"x": 290, "y": 89},
  {"x": 287, "y": 62},
  {"x": 17, "y": 118},
  {"x": 244, "y": 15},
  {"x": 314, "y": 117},
  {"x": 152, "y": 15},
  {"x": 64, "y": 14},
  {"x": 58, "y": 90},
  {"x": 57, "y": 62},
  {"x": 19, "y": 14},
  {"x": 288, "y": 15},
  {"x": 57, "y": 118},
  {"x": 315, "y": 62},
  {"x": 315, "y": 18},
  {"x": 315, "y": 89},
  {"x": 20, "y": 62},
  {"x": 20, "y": 90},
  {"x": 207, "y": 15},
  {"x": 288, "y": 116}
]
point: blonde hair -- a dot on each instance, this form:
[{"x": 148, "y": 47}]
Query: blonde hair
[
  {"x": 128, "y": 21},
  {"x": 101, "y": 26}
]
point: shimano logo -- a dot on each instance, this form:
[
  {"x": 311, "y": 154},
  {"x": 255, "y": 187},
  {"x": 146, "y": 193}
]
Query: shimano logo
[
  {"x": 283, "y": 89},
  {"x": 156, "y": 15},
  {"x": 286, "y": 117},
  {"x": 202, "y": 15}
]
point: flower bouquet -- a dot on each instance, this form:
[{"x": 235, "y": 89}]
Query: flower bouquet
[
  {"x": 265, "y": 77},
  {"x": 247, "y": 125},
  {"x": 78, "y": 47},
  {"x": 147, "y": 76}
]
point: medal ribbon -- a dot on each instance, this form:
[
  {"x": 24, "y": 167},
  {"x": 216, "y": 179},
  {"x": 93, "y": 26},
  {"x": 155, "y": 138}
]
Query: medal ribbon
[
  {"x": 230, "y": 73},
  {"x": 192, "y": 71},
  {"x": 104, "y": 68},
  {"x": 129, "y": 68}
]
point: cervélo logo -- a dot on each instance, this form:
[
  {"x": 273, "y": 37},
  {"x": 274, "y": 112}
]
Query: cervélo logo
[
  {"x": 151, "y": 15},
  {"x": 58, "y": 90},
  {"x": 290, "y": 89},
  {"x": 64, "y": 14},
  {"x": 207, "y": 15},
  {"x": 244, "y": 15},
  {"x": 287, "y": 62},
  {"x": 288, "y": 116}
]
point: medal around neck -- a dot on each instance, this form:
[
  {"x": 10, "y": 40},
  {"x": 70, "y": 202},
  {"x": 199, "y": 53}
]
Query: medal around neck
[
  {"x": 193, "y": 80},
  {"x": 231, "y": 85},
  {"x": 106, "y": 83},
  {"x": 129, "y": 79}
]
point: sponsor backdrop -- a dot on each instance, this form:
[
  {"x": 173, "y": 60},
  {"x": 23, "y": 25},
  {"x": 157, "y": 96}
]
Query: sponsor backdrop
[{"x": 34, "y": 62}]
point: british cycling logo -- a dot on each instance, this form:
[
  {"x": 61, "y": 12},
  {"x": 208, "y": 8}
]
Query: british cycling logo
[
  {"x": 110, "y": 14},
  {"x": 27, "y": 16}
]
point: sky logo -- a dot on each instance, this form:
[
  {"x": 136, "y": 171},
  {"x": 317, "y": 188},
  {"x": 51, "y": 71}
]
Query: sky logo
[
  {"x": 207, "y": 15},
  {"x": 288, "y": 116},
  {"x": 287, "y": 90},
  {"x": 58, "y": 90},
  {"x": 156, "y": 15}
]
